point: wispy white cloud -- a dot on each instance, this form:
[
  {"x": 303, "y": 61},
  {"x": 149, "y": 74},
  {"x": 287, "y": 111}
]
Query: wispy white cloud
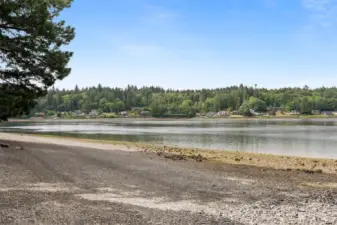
[
  {"x": 159, "y": 14},
  {"x": 320, "y": 29},
  {"x": 322, "y": 13},
  {"x": 318, "y": 5}
]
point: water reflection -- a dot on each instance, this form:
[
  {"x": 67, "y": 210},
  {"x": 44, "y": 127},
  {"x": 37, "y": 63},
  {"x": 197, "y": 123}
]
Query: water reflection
[{"x": 314, "y": 138}]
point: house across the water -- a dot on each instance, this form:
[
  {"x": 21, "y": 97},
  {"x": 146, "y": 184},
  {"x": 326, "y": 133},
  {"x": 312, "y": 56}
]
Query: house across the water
[
  {"x": 327, "y": 112},
  {"x": 93, "y": 112},
  {"x": 124, "y": 114},
  {"x": 145, "y": 113},
  {"x": 222, "y": 113}
]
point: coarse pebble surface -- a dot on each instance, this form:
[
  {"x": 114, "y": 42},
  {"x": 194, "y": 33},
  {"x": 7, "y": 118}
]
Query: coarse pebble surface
[{"x": 58, "y": 181}]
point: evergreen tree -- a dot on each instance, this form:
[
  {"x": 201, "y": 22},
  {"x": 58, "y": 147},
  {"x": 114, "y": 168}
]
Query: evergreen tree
[{"x": 31, "y": 55}]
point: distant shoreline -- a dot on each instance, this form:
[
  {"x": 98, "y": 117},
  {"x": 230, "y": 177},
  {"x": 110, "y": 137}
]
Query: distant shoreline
[{"x": 269, "y": 118}]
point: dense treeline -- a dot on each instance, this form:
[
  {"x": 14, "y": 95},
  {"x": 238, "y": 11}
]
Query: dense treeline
[{"x": 187, "y": 102}]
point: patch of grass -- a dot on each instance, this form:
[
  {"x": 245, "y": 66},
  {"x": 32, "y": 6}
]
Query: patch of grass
[{"x": 236, "y": 117}]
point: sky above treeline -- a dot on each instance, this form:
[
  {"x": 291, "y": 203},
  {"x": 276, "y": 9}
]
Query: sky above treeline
[{"x": 197, "y": 44}]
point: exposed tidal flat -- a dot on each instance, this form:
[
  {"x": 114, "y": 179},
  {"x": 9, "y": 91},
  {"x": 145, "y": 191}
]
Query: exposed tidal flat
[{"x": 282, "y": 162}]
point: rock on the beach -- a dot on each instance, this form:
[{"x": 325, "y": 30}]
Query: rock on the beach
[{"x": 4, "y": 145}]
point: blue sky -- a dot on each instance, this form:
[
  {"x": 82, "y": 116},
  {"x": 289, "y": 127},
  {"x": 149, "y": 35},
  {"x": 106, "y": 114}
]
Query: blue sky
[{"x": 203, "y": 44}]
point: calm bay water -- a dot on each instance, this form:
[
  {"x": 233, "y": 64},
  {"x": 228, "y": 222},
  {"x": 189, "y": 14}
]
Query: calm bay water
[{"x": 311, "y": 138}]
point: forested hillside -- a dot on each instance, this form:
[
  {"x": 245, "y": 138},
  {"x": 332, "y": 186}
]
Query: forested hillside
[{"x": 187, "y": 102}]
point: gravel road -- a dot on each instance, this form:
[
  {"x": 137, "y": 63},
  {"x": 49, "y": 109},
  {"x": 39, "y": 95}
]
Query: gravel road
[{"x": 56, "y": 184}]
